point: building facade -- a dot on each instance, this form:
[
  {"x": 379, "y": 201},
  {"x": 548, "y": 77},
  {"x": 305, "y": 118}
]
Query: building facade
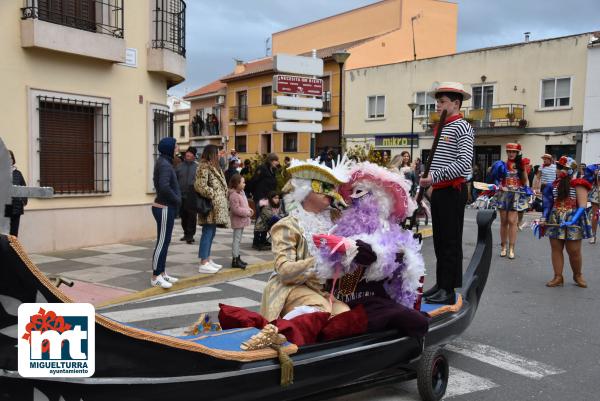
[
  {"x": 88, "y": 82},
  {"x": 207, "y": 107},
  {"x": 530, "y": 92},
  {"x": 590, "y": 141},
  {"x": 180, "y": 110}
]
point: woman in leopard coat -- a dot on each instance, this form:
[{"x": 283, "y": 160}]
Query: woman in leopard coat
[{"x": 210, "y": 183}]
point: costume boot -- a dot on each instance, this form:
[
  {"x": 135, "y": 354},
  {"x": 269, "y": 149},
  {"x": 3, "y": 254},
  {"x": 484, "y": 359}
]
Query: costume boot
[
  {"x": 511, "y": 251},
  {"x": 578, "y": 277},
  {"x": 503, "y": 251},
  {"x": 241, "y": 262},
  {"x": 557, "y": 281}
]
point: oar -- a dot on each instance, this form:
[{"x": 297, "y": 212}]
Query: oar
[
  {"x": 482, "y": 186},
  {"x": 421, "y": 192}
]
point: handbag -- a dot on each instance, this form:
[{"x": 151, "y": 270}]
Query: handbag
[{"x": 203, "y": 205}]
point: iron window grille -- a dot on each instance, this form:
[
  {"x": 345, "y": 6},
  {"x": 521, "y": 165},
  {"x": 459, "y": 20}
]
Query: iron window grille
[
  {"x": 290, "y": 141},
  {"x": 266, "y": 95},
  {"x": 169, "y": 25},
  {"x": 74, "y": 145},
  {"x": 100, "y": 16},
  {"x": 163, "y": 127}
]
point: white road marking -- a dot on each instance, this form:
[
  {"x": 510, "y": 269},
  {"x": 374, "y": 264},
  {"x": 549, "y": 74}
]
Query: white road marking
[
  {"x": 191, "y": 308},
  {"x": 199, "y": 290},
  {"x": 461, "y": 382},
  {"x": 249, "y": 284},
  {"x": 504, "y": 360}
]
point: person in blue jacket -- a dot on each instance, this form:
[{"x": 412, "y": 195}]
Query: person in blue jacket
[{"x": 164, "y": 209}]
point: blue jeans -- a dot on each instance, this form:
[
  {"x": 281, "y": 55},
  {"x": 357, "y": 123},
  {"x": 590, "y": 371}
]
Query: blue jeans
[
  {"x": 165, "y": 218},
  {"x": 206, "y": 240}
]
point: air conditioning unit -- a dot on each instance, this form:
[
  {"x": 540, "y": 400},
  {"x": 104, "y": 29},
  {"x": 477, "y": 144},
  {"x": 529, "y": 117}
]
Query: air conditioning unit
[{"x": 221, "y": 99}]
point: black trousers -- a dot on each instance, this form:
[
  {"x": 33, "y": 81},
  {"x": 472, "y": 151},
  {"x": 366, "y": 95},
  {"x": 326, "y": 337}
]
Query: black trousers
[
  {"x": 188, "y": 221},
  {"x": 447, "y": 217},
  {"x": 14, "y": 225}
]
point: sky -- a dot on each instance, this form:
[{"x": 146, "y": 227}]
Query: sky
[{"x": 219, "y": 31}]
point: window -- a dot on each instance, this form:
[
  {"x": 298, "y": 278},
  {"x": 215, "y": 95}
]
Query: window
[
  {"x": 290, "y": 141},
  {"x": 556, "y": 92},
  {"x": 483, "y": 96},
  {"x": 73, "y": 144},
  {"x": 375, "y": 106},
  {"x": 266, "y": 95},
  {"x": 426, "y": 104},
  {"x": 240, "y": 144},
  {"x": 162, "y": 121},
  {"x": 168, "y": 17},
  {"x": 326, "y": 94},
  {"x": 182, "y": 131}
]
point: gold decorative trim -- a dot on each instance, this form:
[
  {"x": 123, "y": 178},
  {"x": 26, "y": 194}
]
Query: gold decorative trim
[
  {"x": 240, "y": 356},
  {"x": 330, "y": 178}
]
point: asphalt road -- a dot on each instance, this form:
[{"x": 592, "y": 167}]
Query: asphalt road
[{"x": 527, "y": 341}]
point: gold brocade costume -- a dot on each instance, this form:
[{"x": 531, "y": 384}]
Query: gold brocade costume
[{"x": 293, "y": 283}]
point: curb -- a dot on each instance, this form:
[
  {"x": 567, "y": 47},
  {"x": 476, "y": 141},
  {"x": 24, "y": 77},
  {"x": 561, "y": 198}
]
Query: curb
[{"x": 227, "y": 274}]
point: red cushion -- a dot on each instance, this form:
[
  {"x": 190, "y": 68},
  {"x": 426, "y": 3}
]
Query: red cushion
[
  {"x": 347, "y": 324},
  {"x": 303, "y": 329},
  {"x": 232, "y": 317}
]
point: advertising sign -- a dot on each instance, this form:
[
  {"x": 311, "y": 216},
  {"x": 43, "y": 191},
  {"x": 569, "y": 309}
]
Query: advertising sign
[
  {"x": 396, "y": 141},
  {"x": 298, "y": 85}
]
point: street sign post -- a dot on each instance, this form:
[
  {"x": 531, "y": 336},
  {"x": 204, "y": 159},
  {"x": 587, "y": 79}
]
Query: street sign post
[
  {"x": 301, "y": 115},
  {"x": 291, "y": 126},
  {"x": 299, "y": 65},
  {"x": 296, "y": 85},
  {"x": 305, "y": 102}
]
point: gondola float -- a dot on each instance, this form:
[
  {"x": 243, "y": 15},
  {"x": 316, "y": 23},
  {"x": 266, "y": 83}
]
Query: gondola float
[{"x": 137, "y": 364}]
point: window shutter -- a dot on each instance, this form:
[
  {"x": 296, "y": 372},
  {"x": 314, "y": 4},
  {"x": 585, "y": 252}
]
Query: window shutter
[
  {"x": 380, "y": 105},
  {"x": 371, "y": 111},
  {"x": 563, "y": 91}
]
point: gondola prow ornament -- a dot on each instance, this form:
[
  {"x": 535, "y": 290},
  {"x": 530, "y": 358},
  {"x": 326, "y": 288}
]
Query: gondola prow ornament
[{"x": 9, "y": 191}]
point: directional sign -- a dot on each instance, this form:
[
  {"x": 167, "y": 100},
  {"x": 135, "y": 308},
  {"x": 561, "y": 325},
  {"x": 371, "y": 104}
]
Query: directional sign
[
  {"x": 296, "y": 85},
  {"x": 306, "y": 102},
  {"x": 298, "y": 65},
  {"x": 288, "y": 126},
  {"x": 301, "y": 115}
]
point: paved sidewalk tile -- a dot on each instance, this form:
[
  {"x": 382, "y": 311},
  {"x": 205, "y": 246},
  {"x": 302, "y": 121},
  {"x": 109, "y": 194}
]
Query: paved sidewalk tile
[{"x": 115, "y": 248}]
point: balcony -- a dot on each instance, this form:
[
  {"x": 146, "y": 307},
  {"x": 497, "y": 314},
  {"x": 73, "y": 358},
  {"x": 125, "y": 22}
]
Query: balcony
[
  {"x": 91, "y": 28},
  {"x": 326, "y": 109},
  {"x": 498, "y": 116},
  {"x": 238, "y": 115},
  {"x": 166, "y": 54}
]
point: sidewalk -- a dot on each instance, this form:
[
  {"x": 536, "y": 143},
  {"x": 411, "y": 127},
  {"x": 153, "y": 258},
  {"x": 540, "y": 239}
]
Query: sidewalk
[
  {"x": 110, "y": 271},
  {"x": 117, "y": 273}
]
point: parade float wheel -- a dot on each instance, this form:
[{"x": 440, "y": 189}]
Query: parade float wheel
[{"x": 432, "y": 374}]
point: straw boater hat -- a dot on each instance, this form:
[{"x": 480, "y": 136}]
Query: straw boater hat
[
  {"x": 455, "y": 87},
  {"x": 546, "y": 156},
  {"x": 513, "y": 146}
]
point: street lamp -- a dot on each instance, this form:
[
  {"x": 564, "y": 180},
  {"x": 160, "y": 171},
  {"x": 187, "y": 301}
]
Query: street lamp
[
  {"x": 412, "y": 107},
  {"x": 340, "y": 57}
]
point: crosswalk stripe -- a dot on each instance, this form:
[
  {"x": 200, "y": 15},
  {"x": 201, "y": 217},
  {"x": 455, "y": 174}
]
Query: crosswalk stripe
[
  {"x": 199, "y": 290},
  {"x": 461, "y": 382},
  {"x": 502, "y": 359},
  {"x": 250, "y": 284},
  {"x": 190, "y": 308}
]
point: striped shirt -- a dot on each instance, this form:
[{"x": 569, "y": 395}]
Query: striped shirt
[
  {"x": 454, "y": 153},
  {"x": 548, "y": 174}
]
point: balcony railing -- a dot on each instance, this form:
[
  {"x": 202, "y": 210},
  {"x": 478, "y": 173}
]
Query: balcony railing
[
  {"x": 326, "y": 102},
  {"x": 169, "y": 25},
  {"x": 100, "y": 16},
  {"x": 498, "y": 115},
  {"x": 238, "y": 113}
]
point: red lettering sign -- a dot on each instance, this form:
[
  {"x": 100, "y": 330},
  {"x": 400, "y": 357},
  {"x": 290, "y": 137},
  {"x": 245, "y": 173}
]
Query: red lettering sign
[{"x": 298, "y": 85}]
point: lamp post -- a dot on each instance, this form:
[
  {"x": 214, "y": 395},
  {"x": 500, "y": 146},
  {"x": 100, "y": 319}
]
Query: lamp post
[
  {"x": 412, "y": 107},
  {"x": 340, "y": 57}
]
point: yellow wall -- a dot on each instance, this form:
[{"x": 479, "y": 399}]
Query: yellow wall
[{"x": 33, "y": 68}]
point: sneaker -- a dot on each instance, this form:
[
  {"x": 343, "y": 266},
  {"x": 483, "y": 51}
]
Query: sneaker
[
  {"x": 215, "y": 265},
  {"x": 160, "y": 282},
  {"x": 207, "y": 268},
  {"x": 170, "y": 279}
]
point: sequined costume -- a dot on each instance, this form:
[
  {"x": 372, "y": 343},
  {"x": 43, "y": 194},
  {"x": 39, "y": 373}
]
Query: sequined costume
[
  {"x": 518, "y": 195},
  {"x": 564, "y": 210}
]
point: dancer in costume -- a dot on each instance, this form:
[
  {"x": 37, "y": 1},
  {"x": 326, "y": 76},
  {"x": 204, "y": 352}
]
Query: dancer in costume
[
  {"x": 592, "y": 175},
  {"x": 512, "y": 196},
  {"x": 564, "y": 220},
  {"x": 295, "y": 282},
  {"x": 388, "y": 289},
  {"x": 450, "y": 167}
]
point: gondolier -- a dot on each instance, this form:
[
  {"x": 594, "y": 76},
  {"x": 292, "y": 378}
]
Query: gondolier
[{"x": 450, "y": 167}]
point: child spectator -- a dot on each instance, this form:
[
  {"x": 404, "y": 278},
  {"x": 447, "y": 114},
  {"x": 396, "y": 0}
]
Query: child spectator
[
  {"x": 268, "y": 214},
  {"x": 240, "y": 214}
]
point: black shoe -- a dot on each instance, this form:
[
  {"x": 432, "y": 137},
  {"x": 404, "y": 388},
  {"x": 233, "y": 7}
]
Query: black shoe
[
  {"x": 189, "y": 241},
  {"x": 264, "y": 247},
  {"x": 241, "y": 262},
  {"x": 442, "y": 296},
  {"x": 183, "y": 238},
  {"x": 235, "y": 262},
  {"x": 431, "y": 291}
]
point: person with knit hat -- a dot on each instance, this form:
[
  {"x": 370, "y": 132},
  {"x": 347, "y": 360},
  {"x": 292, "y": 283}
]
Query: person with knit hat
[
  {"x": 564, "y": 220},
  {"x": 512, "y": 196},
  {"x": 164, "y": 209}
]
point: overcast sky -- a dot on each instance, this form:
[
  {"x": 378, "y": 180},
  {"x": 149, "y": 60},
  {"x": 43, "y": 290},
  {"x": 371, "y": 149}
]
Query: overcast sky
[{"x": 220, "y": 30}]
